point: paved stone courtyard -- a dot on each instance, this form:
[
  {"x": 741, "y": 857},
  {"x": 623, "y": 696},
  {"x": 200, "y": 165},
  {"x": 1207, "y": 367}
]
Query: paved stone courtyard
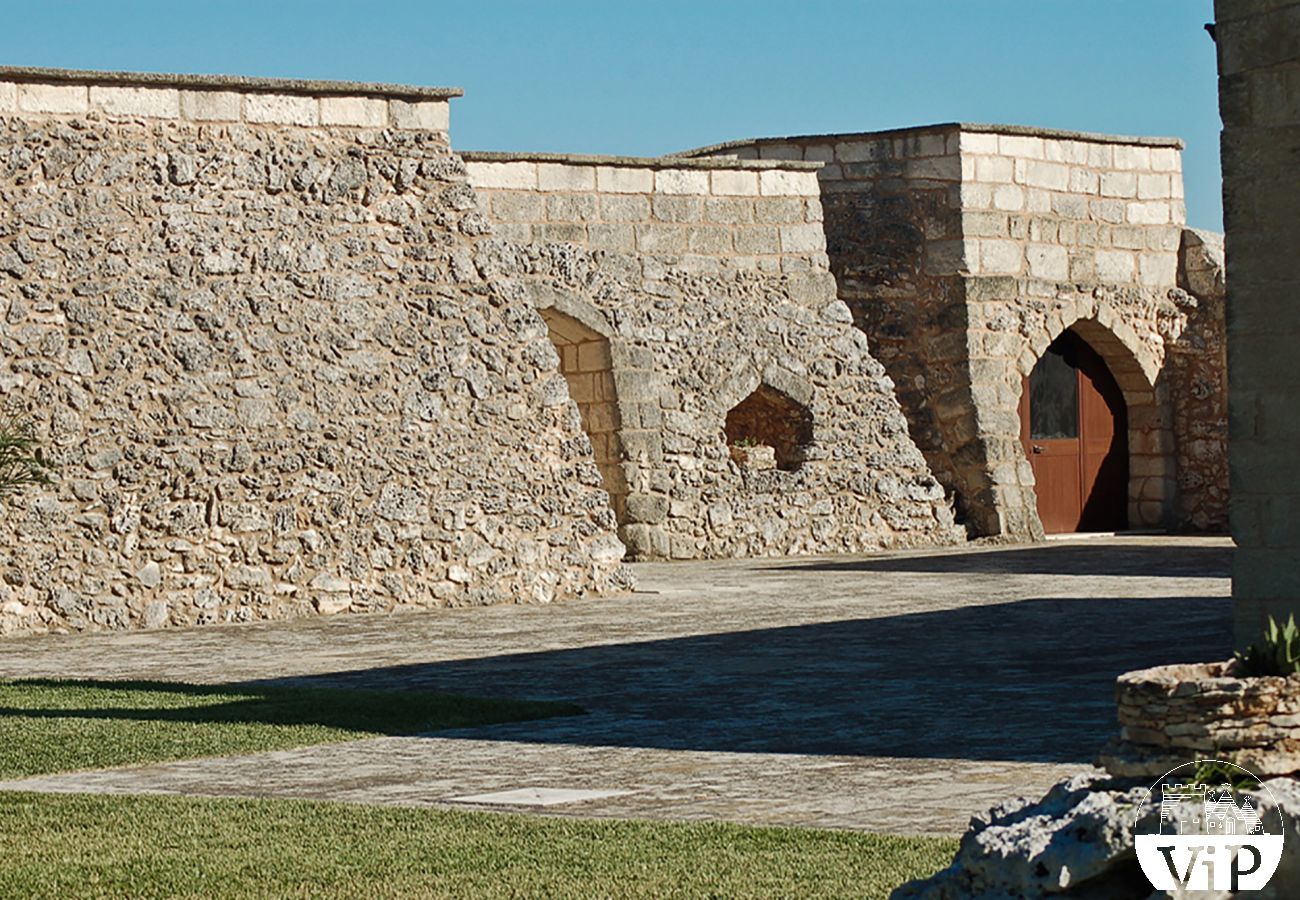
[{"x": 803, "y": 691}]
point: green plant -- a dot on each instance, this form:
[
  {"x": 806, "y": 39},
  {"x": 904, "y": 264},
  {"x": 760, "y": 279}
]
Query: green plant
[
  {"x": 1214, "y": 773},
  {"x": 747, "y": 442},
  {"x": 1277, "y": 654},
  {"x": 21, "y": 461}
]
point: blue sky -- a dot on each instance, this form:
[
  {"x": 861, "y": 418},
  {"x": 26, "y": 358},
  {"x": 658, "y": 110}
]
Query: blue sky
[{"x": 655, "y": 76}]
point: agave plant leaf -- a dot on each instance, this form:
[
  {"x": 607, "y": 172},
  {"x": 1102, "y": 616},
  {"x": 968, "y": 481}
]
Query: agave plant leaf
[
  {"x": 1277, "y": 654},
  {"x": 22, "y": 462}
]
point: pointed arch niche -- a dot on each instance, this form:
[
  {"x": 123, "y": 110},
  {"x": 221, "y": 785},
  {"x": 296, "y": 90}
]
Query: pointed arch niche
[{"x": 770, "y": 418}]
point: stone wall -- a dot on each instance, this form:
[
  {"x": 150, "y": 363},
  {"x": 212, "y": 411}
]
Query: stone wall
[
  {"x": 709, "y": 280},
  {"x": 964, "y": 250},
  {"x": 1198, "y": 375},
  {"x": 253, "y": 326},
  {"x": 1259, "y": 100}
]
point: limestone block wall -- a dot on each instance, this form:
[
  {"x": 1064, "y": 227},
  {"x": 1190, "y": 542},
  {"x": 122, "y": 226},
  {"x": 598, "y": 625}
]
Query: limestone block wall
[
  {"x": 251, "y": 323},
  {"x": 709, "y": 280},
  {"x": 964, "y": 250},
  {"x": 1259, "y": 101}
]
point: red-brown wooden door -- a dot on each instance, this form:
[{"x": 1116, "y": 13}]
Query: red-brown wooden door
[{"x": 1074, "y": 426}]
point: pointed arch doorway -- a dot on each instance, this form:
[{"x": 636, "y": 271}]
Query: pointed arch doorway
[{"x": 1074, "y": 427}]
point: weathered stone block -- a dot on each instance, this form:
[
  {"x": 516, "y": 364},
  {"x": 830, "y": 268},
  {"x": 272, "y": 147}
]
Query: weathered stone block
[
  {"x": 619, "y": 180},
  {"x": 677, "y": 208},
  {"x": 518, "y": 206},
  {"x": 1149, "y": 212},
  {"x": 431, "y": 115},
  {"x": 212, "y": 106},
  {"x": 863, "y": 150},
  {"x": 1114, "y": 266},
  {"x": 778, "y": 210},
  {"x": 657, "y": 238},
  {"x": 620, "y": 238},
  {"x": 777, "y": 183},
  {"x": 1158, "y": 269},
  {"x": 53, "y": 98},
  {"x": 1130, "y": 157},
  {"x": 8, "y": 96},
  {"x": 1024, "y": 146},
  {"x": 996, "y": 169},
  {"x": 757, "y": 240},
  {"x": 1008, "y": 197},
  {"x": 163, "y": 103},
  {"x": 1052, "y": 176},
  {"x": 502, "y": 175},
  {"x": 681, "y": 181},
  {"x": 626, "y": 208},
  {"x": 1000, "y": 257},
  {"x": 281, "y": 109},
  {"x": 978, "y": 142},
  {"x": 364, "y": 112},
  {"x": 1048, "y": 261},
  {"x": 1165, "y": 159},
  {"x": 802, "y": 238},
  {"x": 1153, "y": 187},
  {"x": 572, "y": 208},
  {"x": 1118, "y": 184},
  {"x": 734, "y": 183},
  {"x": 561, "y": 177}
]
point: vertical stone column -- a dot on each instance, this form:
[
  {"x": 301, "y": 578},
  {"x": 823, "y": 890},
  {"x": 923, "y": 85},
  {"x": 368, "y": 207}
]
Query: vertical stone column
[{"x": 1259, "y": 100}]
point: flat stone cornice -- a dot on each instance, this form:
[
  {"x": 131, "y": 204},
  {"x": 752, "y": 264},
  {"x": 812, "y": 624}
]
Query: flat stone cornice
[
  {"x": 237, "y": 83},
  {"x": 638, "y": 162},
  {"x": 947, "y": 127}
]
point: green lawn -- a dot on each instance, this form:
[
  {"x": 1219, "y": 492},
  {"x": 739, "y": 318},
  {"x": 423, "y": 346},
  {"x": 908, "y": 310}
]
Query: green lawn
[
  {"x": 61, "y": 726},
  {"x": 79, "y": 845},
  {"x": 71, "y": 845}
]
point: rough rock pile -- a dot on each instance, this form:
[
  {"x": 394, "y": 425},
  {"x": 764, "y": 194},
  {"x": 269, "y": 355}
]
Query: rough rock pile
[{"x": 1076, "y": 842}]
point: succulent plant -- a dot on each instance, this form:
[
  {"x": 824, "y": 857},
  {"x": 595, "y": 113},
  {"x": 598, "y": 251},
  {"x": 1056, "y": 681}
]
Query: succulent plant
[
  {"x": 21, "y": 461},
  {"x": 1277, "y": 654}
]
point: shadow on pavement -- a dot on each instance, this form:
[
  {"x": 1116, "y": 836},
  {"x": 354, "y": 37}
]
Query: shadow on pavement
[
  {"x": 1030, "y": 680},
  {"x": 1050, "y": 559}
]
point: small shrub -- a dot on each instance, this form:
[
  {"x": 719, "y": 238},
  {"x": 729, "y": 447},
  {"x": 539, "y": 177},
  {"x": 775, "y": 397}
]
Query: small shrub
[
  {"x": 22, "y": 463},
  {"x": 1277, "y": 654}
]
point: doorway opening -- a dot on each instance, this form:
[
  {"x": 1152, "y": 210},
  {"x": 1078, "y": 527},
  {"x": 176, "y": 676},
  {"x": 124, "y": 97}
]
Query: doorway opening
[
  {"x": 1074, "y": 427},
  {"x": 586, "y": 365}
]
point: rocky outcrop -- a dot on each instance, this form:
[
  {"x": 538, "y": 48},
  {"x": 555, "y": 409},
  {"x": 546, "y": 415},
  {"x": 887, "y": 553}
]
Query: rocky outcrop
[{"x": 1076, "y": 842}]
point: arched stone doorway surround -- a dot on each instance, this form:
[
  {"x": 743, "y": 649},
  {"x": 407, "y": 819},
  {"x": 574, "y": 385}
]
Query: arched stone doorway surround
[{"x": 1135, "y": 368}]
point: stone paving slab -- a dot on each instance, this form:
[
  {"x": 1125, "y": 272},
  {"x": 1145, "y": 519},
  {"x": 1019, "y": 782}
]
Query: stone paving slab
[
  {"x": 637, "y": 783},
  {"x": 784, "y": 691}
]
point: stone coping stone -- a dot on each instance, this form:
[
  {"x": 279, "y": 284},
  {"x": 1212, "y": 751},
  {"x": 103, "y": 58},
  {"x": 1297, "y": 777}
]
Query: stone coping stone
[
  {"x": 639, "y": 162},
  {"x": 240, "y": 83},
  {"x": 976, "y": 127}
]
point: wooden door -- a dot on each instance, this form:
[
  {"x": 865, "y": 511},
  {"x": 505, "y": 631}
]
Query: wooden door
[{"x": 1074, "y": 426}]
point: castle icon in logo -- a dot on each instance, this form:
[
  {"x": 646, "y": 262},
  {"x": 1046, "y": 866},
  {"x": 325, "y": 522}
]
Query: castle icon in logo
[
  {"x": 1204, "y": 837},
  {"x": 1196, "y": 809}
]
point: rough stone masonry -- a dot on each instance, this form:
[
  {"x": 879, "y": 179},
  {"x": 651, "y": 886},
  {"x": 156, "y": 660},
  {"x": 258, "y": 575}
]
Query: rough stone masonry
[
  {"x": 964, "y": 250},
  {"x": 285, "y": 366},
  {"x": 259, "y": 327},
  {"x": 698, "y": 296}
]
